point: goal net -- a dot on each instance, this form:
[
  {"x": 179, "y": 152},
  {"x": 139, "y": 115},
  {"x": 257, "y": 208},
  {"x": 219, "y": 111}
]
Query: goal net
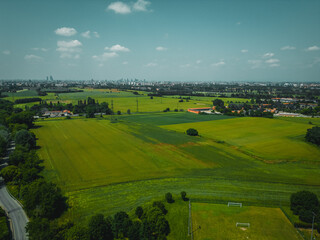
[
  {"x": 234, "y": 204},
  {"x": 238, "y": 224}
]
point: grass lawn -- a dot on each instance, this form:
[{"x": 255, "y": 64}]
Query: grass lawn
[
  {"x": 273, "y": 140},
  {"x": 218, "y": 221}
]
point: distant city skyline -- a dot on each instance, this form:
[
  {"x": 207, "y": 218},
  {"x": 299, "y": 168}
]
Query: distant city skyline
[{"x": 161, "y": 40}]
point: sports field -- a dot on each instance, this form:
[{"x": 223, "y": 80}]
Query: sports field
[
  {"x": 272, "y": 140},
  {"x": 218, "y": 221}
]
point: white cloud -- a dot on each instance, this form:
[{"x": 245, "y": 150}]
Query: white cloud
[
  {"x": 244, "y": 50},
  {"x": 160, "y": 48},
  {"x": 198, "y": 61},
  {"x": 313, "y": 48},
  {"x": 272, "y": 60},
  {"x": 69, "y": 49},
  {"x": 152, "y": 64},
  {"x": 6, "y": 52},
  {"x": 105, "y": 56},
  {"x": 287, "y": 48},
  {"x": 117, "y": 48},
  {"x": 268, "y": 55},
  {"x": 141, "y": 5},
  {"x": 86, "y": 34},
  {"x": 40, "y": 49},
  {"x": 125, "y": 63},
  {"x": 96, "y": 34},
  {"x": 238, "y": 23},
  {"x": 69, "y": 46},
  {"x": 221, "y": 63},
  {"x": 119, "y": 7},
  {"x": 275, "y": 65},
  {"x": 65, "y": 31},
  {"x": 32, "y": 57}
]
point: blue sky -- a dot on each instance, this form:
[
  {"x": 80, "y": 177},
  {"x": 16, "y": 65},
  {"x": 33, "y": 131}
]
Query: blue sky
[{"x": 161, "y": 40}]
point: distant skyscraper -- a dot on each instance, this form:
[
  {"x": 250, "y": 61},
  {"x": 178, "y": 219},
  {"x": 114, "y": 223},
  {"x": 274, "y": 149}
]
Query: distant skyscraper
[
  {"x": 47, "y": 78},
  {"x": 51, "y": 78}
]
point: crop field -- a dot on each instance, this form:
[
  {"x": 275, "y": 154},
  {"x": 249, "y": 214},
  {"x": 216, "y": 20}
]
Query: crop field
[
  {"x": 105, "y": 167},
  {"x": 271, "y": 140},
  {"x": 218, "y": 221}
]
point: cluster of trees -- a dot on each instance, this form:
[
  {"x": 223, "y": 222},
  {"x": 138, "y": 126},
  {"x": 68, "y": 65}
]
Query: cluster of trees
[
  {"x": 192, "y": 132},
  {"x": 305, "y": 204},
  {"x": 27, "y": 100},
  {"x": 90, "y": 106},
  {"x": 42, "y": 200},
  {"x": 313, "y": 135},
  {"x": 243, "y": 108},
  {"x": 4, "y": 228}
]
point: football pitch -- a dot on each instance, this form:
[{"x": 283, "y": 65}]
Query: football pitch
[{"x": 218, "y": 221}]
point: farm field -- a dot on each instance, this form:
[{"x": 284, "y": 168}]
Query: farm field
[
  {"x": 106, "y": 167},
  {"x": 122, "y": 100},
  {"x": 218, "y": 221},
  {"x": 270, "y": 140}
]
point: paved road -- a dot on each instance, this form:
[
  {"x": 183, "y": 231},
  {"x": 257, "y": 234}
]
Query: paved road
[{"x": 16, "y": 214}]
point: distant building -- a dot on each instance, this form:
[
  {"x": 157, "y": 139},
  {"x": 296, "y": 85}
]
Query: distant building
[{"x": 63, "y": 113}]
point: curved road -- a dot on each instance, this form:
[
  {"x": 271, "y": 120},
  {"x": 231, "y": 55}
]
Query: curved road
[{"x": 17, "y": 217}]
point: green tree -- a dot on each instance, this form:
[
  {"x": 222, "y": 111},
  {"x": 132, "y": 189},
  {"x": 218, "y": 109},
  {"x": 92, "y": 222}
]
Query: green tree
[
  {"x": 77, "y": 232},
  {"x": 313, "y": 135},
  {"x": 161, "y": 206},
  {"x": 169, "y": 197},
  {"x": 25, "y": 117},
  {"x": 218, "y": 103},
  {"x": 128, "y": 111},
  {"x": 134, "y": 232},
  {"x": 139, "y": 212},
  {"x": 39, "y": 229},
  {"x": 25, "y": 138},
  {"x": 192, "y": 132},
  {"x": 42, "y": 199},
  {"x": 99, "y": 228},
  {"x": 184, "y": 196},
  {"x": 121, "y": 224},
  {"x": 11, "y": 173},
  {"x": 303, "y": 203}
]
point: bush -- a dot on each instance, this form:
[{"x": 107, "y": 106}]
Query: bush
[
  {"x": 192, "y": 132},
  {"x": 313, "y": 135},
  {"x": 303, "y": 203},
  {"x": 169, "y": 197}
]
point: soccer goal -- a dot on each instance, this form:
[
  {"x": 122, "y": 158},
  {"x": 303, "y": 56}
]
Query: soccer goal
[
  {"x": 234, "y": 204},
  {"x": 238, "y": 224}
]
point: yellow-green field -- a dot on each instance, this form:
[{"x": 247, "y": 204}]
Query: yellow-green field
[
  {"x": 218, "y": 221},
  {"x": 271, "y": 140},
  {"x": 105, "y": 167}
]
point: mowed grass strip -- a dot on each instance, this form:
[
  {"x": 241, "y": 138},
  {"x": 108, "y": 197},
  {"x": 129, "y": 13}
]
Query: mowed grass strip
[
  {"x": 218, "y": 221},
  {"x": 270, "y": 139},
  {"x": 84, "y": 153}
]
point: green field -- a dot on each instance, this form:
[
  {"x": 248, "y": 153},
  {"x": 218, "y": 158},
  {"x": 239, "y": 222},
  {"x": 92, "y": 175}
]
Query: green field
[
  {"x": 105, "y": 167},
  {"x": 271, "y": 140},
  {"x": 122, "y": 100},
  {"x": 218, "y": 221}
]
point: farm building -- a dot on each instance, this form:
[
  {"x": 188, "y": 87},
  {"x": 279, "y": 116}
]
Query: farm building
[
  {"x": 199, "y": 110},
  {"x": 63, "y": 113}
]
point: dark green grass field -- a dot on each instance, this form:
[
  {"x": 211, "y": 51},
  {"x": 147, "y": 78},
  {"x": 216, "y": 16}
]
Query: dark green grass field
[{"x": 106, "y": 167}]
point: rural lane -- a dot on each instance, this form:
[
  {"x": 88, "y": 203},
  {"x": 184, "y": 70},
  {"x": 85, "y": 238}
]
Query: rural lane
[{"x": 17, "y": 217}]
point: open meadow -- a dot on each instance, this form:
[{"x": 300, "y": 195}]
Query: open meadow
[
  {"x": 218, "y": 221},
  {"x": 105, "y": 167}
]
